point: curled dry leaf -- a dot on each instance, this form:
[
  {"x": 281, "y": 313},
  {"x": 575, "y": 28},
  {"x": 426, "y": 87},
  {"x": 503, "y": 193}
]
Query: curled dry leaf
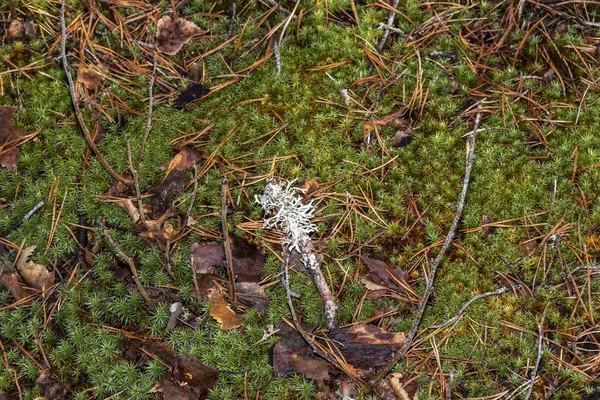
[
  {"x": 251, "y": 294},
  {"x": 10, "y": 138},
  {"x": 402, "y": 137},
  {"x": 21, "y": 30},
  {"x": 190, "y": 380},
  {"x": 309, "y": 188},
  {"x": 52, "y": 388},
  {"x": 382, "y": 274},
  {"x": 222, "y": 313},
  {"x": 172, "y": 34},
  {"x": 36, "y": 275},
  {"x": 90, "y": 78},
  {"x": 164, "y": 194},
  {"x": 393, "y": 120},
  {"x": 185, "y": 159},
  {"x": 11, "y": 283}
]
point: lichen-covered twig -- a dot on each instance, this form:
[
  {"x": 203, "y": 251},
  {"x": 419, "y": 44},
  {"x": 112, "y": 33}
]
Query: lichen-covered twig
[
  {"x": 435, "y": 263},
  {"x": 293, "y": 217}
]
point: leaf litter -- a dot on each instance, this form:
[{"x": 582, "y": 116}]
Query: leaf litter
[{"x": 11, "y": 137}]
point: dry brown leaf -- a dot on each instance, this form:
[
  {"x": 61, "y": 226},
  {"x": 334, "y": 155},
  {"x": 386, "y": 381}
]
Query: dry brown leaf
[
  {"x": 190, "y": 380},
  {"x": 393, "y": 120},
  {"x": 53, "y": 389},
  {"x": 251, "y": 294},
  {"x": 222, "y": 313},
  {"x": 90, "y": 78},
  {"x": 10, "y": 137},
  {"x": 309, "y": 187},
  {"x": 402, "y": 137},
  {"x": 185, "y": 159},
  {"x": 172, "y": 34},
  {"x": 164, "y": 194},
  {"x": 11, "y": 283},
  {"x": 392, "y": 277},
  {"x": 204, "y": 257},
  {"x": 36, "y": 275},
  {"x": 16, "y": 29}
]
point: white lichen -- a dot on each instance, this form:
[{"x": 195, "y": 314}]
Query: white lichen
[{"x": 292, "y": 215}]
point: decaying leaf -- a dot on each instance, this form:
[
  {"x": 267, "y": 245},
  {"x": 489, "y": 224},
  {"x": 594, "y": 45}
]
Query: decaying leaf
[
  {"x": 10, "y": 138},
  {"x": 485, "y": 225},
  {"x": 36, "y": 275},
  {"x": 366, "y": 348},
  {"x": 185, "y": 159},
  {"x": 90, "y": 79},
  {"x": 190, "y": 380},
  {"x": 402, "y": 137},
  {"x": 52, "y": 388},
  {"x": 190, "y": 95},
  {"x": 251, "y": 294},
  {"x": 248, "y": 260},
  {"x": 21, "y": 30},
  {"x": 383, "y": 274},
  {"x": 11, "y": 283},
  {"x": 309, "y": 188},
  {"x": 393, "y": 120},
  {"x": 204, "y": 257},
  {"x": 164, "y": 194},
  {"x": 172, "y": 34},
  {"x": 222, "y": 313},
  {"x": 404, "y": 387}
]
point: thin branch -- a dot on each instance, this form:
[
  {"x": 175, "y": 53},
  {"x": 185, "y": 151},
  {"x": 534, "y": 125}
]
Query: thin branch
[
  {"x": 75, "y": 100},
  {"x": 129, "y": 262},
  {"x": 534, "y": 373},
  {"x": 436, "y": 262},
  {"x": 136, "y": 182},
  {"x": 390, "y": 21},
  {"x": 467, "y": 304},
  {"x": 227, "y": 242},
  {"x": 231, "y": 20},
  {"x": 150, "y": 106}
]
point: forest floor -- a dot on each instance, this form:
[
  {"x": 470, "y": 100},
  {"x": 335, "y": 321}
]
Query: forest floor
[{"x": 443, "y": 157}]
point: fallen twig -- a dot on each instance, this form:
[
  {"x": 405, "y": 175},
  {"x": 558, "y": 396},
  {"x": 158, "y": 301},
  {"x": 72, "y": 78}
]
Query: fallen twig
[
  {"x": 75, "y": 100},
  {"x": 467, "y": 304},
  {"x": 534, "y": 373},
  {"x": 436, "y": 262},
  {"x": 129, "y": 262},
  {"x": 231, "y": 20},
  {"x": 227, "y": 242},
  {"x": 136, "y": 182},
  {"x": 390, "y": 21},
  {"x": 150, "y": 106}
]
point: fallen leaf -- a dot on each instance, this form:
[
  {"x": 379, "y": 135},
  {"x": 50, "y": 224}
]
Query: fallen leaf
[
  {"x": 248, "y": 260},
  {"x": 222, "y": 313},
  {"x": 206, "y": 283},
  {"x": 383, "y": 274},
  {"x": 251, "y": 294},
  {"x": 291, "y": 351},
  {"x": 404, "y": 387},
  {"x": 309, "y": 188},
  {"x": 10, "y": 137},
  {"x": 190, "y": 380},
  {"x": 90, "y": 79},
  {"x": 52, "y": 389},
  {"x": 485, "y": 221},
  {"x": 164, "y": 194},
  {"x": 316, "y": 370},
  {"x": 402, "y": 137},
  {"x": 36, "y": 275},
  {"x": 11, "y": 283},
  {"x": 172, "y": 34},
  {"x": 366, "y": 348},
  {"x": 4, "y": 395},
  {"x": 185, "y": 159},
  {"x": 190, "y": 95},
  {"x": 549, "y": 76},
  {"x": 204, "y": 257},
  {"x": 175, "y": 309},
  {"x": 16, "y": 29},
  {"x": 393, "y": 120}
]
